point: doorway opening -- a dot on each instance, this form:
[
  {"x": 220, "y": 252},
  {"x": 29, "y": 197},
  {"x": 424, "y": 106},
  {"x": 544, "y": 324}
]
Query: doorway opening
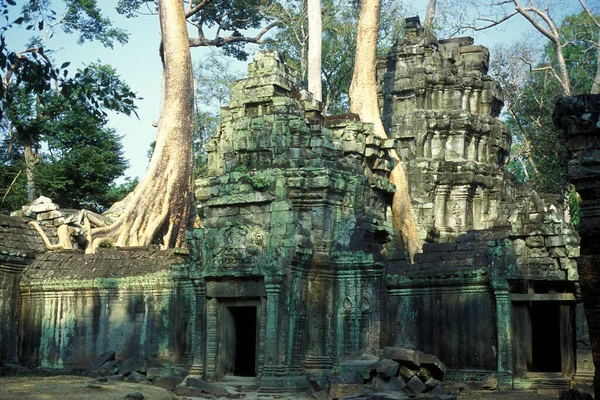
[
  {"x": 244, "y": 333},
  {"x": 546, "y": 337}
]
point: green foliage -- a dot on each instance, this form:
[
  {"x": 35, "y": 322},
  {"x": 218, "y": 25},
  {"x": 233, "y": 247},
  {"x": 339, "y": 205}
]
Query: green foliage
[
  {"x": 574, "y": 206},
  {"x": 229, "y": 17},
  {"x": 81, "y": 158},
  {"x": 339, "y": 20},
  {"x": 538, "y": 152}
]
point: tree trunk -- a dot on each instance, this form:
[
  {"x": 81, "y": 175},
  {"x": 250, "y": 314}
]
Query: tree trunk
[
  {"x": 159, "y": 208},
  {"x": 564, "y": 79},
  {"x": 31, "y": 160},
  {"x": 364, "y": 102},
  {"x": 596, "y": 83},
  {"x": 314, "y": 49},
  {"x": 430, "y": 15}
]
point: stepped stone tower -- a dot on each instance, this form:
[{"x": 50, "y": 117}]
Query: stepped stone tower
[{"x": 441, "y": 107}]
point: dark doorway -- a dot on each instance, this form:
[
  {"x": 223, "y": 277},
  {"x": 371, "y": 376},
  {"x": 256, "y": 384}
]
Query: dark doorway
[
  {"x": 244, "y": 321},
  {"x": 546, "y": 343}
]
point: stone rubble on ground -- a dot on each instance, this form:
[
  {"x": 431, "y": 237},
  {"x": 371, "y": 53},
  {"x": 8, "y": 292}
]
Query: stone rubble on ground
[{"x": 397, "y": 374}]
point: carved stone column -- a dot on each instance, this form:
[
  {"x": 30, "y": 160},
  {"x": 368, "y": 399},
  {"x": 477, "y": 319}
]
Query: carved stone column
[{"x": 579, "y": 118}]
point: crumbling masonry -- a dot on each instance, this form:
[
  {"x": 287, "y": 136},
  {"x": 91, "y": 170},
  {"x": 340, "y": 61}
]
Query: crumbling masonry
[{"x": 298, "y": 248}]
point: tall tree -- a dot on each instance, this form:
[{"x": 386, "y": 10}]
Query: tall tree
[
  {"x": 540, "y": 15},
  {"x": 531, "y": 91},
  {"x": 314, "y": 49},
  {"x": 30, "y": 72},
  {"x": 160, "y": 206},
  {"x": 364, "y": 102}
]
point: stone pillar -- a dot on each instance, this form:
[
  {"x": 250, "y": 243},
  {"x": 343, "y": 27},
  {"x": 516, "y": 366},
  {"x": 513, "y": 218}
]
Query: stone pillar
[
  {"x": 199, "y": 341},
  {"x": 579, "y": 118},
  {"x": 277, "y": 374},
  {"x": 504, "y": 324}
]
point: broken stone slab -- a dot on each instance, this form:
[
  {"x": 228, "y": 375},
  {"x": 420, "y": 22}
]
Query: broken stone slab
[
  {"x": 183, "y": 390},
  {"x": 424, "y": 374},
  {"x": 415, "y": 385},
  {"x": 387, "y": 368},
  {"x": 136, "y": 377},
  {"x": 439, "y": 389},
  {"x": 434, "y": 365},
  {"x": 48, "y": 215},
  {"x": 406, "y": 373},
  {"x": 107, "y": 369},
  {"x": 392, "y": 383},
  {"x": 406, "y": 357},
  {"x": 100, "y": 360},
  {"x": 364, "y": 368},
  {"x": 40, "y": 208},
  {"x": 389, "y": 395},
  {"x": 167, "y": 382},
  {"x": 490, "y": 382},
  {"x": 340, "y": 390},
  {"x": 208, "y": 387},
  {"x": 128, "y": 366},
  {"x": 431, "y": 383}
]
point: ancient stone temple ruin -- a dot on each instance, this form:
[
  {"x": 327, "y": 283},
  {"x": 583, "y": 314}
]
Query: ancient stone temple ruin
[{"x": 297, "y": 266}]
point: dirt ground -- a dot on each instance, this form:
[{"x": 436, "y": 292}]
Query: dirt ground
[{"x": 84, "y": 388}]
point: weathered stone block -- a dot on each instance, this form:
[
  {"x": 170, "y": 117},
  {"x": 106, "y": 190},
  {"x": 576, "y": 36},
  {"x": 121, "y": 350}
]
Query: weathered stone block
[
  {"x": 406, "y": 373},
  {"x": 405, "y": 357},
  {"x": 364, "y": 368},
  {"x": 415, "y": 385},
  {"x": 387, "y": 368},
  {"x": 100, "y": 360},
  {"x": 434, "y": 365},
  {"x": 212, "y": 388},
  {"x": 393, "y": 383}
]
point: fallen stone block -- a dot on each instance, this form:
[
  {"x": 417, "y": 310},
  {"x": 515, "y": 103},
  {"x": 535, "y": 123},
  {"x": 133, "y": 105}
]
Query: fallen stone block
[
  {"x": 167, "y": 382},
  {"x": 207, "y": 387},
  {"x": 431, "y": 383},
  {"x": 393, "y": 383},
  {"x": 439, "y": 389},
  {"x": 387, "y": 368},
  {"x": 136, "y": 377},
  {"x": 406, "y": 373},
  {"x": 424, "y": 374},
  {"x": 364, "y": 368},
  {"x": 128, "y": 366},
  {"x": 339, "y": 390},
  {"x": 389, "y": 395},
  {"x": 100, "y": 360},
  {"x": 107, "y": 369},
  {"x": 405, "y": 357},
  {"x": 415, "y": 386},
  {"x": 434, "y": 365},
  {"x": 183, "y": 390}
]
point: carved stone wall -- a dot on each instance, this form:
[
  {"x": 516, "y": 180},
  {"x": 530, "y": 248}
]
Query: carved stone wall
[
  {"x": 76, "y": 306},
  {"x": 441, "y": 107},
  {"x": 298, "y": 206},
  {"x": 579, "y": 118}
]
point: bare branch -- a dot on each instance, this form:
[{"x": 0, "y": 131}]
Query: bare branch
[
  {"x": 197, "y": 8},
  {"x": 222, "y": 41}
]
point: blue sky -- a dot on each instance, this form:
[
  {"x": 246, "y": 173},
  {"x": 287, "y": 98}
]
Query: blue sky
[{"x": 139, "y": 65}]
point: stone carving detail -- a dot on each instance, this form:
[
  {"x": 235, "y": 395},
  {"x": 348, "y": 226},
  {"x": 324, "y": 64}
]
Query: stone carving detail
[{"x": 441, "y": 107}]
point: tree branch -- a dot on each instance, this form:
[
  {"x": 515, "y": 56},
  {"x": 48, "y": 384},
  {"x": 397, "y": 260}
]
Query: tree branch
[
  {"x": 222, "y": 41},
  {"x": 197, "y": 8}
]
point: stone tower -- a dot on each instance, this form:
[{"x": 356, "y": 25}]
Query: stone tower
[{"x": 441, "y": 107}]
